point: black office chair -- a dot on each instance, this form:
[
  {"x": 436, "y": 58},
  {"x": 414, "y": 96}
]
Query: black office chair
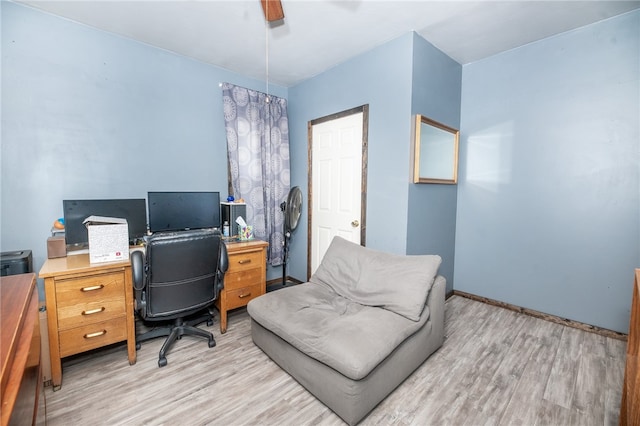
[{"x": 176, "y": 282}]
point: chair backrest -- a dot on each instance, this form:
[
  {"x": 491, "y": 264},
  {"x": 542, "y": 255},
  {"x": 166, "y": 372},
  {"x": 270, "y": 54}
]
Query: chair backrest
[{"x": 181, "y": 273}]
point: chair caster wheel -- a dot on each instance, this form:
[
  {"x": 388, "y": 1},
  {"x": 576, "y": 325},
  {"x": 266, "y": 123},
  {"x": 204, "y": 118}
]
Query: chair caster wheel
[
  {"x": 138, "y": 346},
  {"x": 162, "y": 362},
  {"x": 212, "y": 343},
  {"x": 209, "y": 323}
]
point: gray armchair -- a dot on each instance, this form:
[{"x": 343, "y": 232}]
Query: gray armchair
[{"x": 176, "y": 282}]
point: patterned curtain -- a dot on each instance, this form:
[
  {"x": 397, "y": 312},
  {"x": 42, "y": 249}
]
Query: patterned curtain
[{"x": 258, "y": 154}]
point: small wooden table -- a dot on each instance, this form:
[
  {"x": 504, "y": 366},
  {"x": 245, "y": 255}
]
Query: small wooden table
[
  {"x": 20, "y": 350},
  {"x": 630, "y": 405},
  {"x": 89, "y": 305},
  {"x": 245, "y": 279}
]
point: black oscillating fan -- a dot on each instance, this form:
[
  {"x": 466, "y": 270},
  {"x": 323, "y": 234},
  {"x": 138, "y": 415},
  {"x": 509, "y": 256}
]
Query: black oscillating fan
[{"x": 291, "y": 209}]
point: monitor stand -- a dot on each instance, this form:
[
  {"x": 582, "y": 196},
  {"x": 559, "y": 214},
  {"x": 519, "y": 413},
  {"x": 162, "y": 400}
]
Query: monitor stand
[{"x": 73, "y": 249}]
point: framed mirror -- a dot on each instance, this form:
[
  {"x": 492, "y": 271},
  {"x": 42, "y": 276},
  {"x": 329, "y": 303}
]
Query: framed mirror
[{"x": 435, "y": 152}]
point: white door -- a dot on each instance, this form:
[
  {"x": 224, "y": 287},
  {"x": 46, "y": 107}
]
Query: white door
[{"x": 337, "y": 196}]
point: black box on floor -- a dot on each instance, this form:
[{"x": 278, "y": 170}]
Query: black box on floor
[{"x": 16, "y": 262}]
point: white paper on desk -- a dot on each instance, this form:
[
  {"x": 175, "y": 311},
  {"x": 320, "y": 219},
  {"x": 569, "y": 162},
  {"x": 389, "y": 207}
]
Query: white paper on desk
[{"x": 240, "y": 221}]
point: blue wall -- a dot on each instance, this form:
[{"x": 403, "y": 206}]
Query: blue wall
[
  {"x": 549, "y": 196},
  {"x": 437, "y": 84},
  {"x": 87, "y": 114},
  {"x": 380, "y": 78},
  {"x": 548, "y": 200}
]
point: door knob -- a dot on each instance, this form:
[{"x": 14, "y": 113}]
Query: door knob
[{"x": 355, "y": 223}]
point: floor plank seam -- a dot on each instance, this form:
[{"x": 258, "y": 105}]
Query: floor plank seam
[{"x": 495, "y": 367}]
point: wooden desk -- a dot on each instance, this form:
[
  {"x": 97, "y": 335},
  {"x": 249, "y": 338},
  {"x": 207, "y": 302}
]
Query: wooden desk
[
  {"x": 630, "y": 406},
  {"x": 245, "y": 279},
  {"x": 89, "y": 305},
  {"x": 20, "y": 350}
]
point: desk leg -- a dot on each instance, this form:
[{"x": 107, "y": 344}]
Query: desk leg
[
  {"x": 221, "y": 304},
  {"x": 52, "y": 325},
  {"x": 223, "y": 321},
  {"x": 131, "y": 350},
  {"x": 131, "y": 319},
  {"x": 56, "y": 377}
]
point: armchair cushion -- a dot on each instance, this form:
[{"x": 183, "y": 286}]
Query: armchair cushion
[
  {"x": 396, "y": 283},
  {"x": 336, "y": 331}
]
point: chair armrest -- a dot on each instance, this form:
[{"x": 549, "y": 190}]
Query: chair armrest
[
  {"x": 223, "y": 265},
  {"x": 137, "y": 270}
]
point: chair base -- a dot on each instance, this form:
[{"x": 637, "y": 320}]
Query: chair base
[{"x": 175, "y": 330}]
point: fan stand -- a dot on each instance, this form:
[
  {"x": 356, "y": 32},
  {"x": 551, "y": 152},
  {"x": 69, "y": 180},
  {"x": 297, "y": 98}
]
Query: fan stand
[
  {"x": 291, "y": 209},
  {"x": 285, "y": 257}
]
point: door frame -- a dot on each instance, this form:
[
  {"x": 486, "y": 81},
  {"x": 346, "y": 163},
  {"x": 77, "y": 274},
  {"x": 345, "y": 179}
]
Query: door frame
[{"x": 364, "y": 109}]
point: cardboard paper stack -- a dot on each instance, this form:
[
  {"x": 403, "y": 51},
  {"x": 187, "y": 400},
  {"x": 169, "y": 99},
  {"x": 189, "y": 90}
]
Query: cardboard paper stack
[{"x": 108, "y": 238}]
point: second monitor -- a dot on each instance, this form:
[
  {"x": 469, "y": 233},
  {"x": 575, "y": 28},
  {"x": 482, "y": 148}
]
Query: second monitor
[{"x": 176, "y": 211}]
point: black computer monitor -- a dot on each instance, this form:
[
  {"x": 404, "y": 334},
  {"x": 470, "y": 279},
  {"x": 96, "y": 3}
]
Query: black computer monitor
[
  {"x": 176, "y": 211},
  {"x": 76, "y": 211}
]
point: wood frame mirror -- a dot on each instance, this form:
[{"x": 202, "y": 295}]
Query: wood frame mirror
[{"x": 435, "y": 152}]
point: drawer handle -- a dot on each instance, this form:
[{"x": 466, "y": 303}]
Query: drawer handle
[
  {"x": 242, "y": 296},
  {"x": 243, "y": 261},
  {"x": 96, "y": 334},
  {"x": 93, "y": 311},
  {"x": 92, "y": 288}
]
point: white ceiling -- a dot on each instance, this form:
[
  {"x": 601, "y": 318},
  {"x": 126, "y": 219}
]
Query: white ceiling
[{"x": 316, "y": 35}]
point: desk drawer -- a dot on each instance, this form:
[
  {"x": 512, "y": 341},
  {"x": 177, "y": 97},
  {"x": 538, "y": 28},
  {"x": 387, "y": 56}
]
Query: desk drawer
[
  {"x": 92, "y": 336},
  {"x": 241, "y": 279},
  {"x": 89, "y": 289},
  {"x": 242, "y": 296},
  {"x": 89, "y": 300},
  {"x": 90, "y": 312},
  {"x": 244, "y": 261}
]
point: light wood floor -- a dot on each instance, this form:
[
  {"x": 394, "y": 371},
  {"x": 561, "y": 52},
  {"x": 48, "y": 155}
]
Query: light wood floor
[{"x": 495, "y": 367}]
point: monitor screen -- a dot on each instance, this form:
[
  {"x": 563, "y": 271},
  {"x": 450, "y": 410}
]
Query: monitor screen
[
  {"x": 175, "y": 211},
  {"x": 76, "y": 211}
]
